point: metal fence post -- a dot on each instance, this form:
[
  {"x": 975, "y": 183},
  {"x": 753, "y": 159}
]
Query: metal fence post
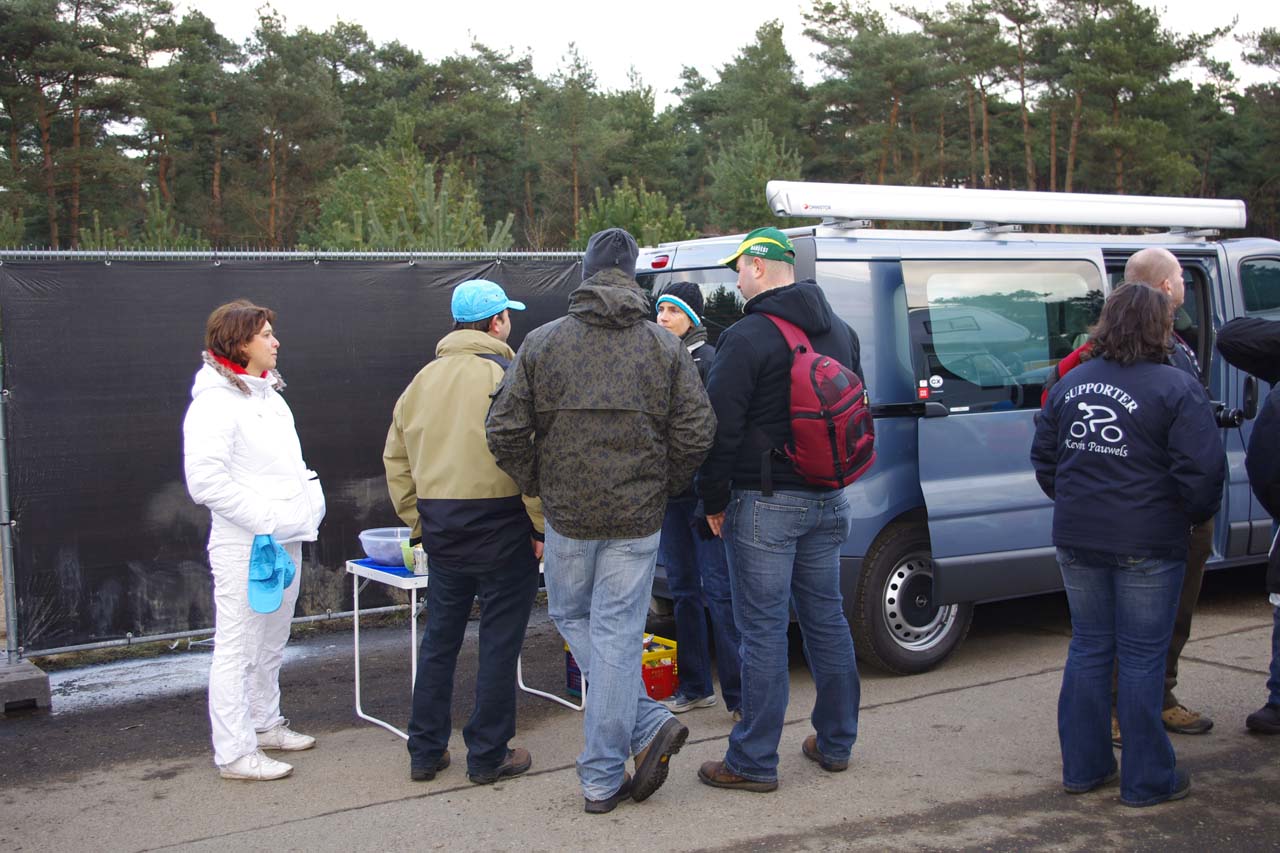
[{"x": 6, "y": 532}]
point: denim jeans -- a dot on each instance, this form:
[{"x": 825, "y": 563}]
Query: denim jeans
[
  {"x": 598, "y": 596},
  {"x": 698, "y": 577},
  {"x": 1122, "y": 607},
  {"x": 1273, "y": 683},
  {"x": 506, "y": 596},
  {"x": 785, "y": 549}
]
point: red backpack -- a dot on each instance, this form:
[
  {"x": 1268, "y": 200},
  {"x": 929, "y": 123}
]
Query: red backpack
[{"x": 832, "y": 434}]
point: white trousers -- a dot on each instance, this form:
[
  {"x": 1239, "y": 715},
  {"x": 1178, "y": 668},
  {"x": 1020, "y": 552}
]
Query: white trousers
[{"x": 248, "y": 647}]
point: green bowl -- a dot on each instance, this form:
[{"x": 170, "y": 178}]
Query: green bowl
[{"x": 407, "y": 553}]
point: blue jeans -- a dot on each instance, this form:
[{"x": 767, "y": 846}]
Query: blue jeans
[
  {"x": 506, "y": 596},
  {"x": 1273, "y": 683},
  {"x": 785, "y": 549},
  {"x": 598, "y": 596},
  {"x": 1122, "y": 607},
  {"x": 698, "y": 577}
]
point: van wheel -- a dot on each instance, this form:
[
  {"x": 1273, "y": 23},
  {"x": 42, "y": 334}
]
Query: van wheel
[{"x": 896, "y": 626}]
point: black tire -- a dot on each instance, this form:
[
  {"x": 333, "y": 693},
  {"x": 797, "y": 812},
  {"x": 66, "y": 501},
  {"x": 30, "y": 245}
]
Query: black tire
[{"x": 917, "y": 637}]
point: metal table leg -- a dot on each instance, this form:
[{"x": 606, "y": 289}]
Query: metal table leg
[{"x": 355, "y": 633}]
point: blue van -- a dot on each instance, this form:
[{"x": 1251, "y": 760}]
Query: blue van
[{"x": 959, "y": 329}]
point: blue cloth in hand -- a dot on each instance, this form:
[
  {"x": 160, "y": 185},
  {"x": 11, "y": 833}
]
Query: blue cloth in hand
[{"x": 271, "y": 570}]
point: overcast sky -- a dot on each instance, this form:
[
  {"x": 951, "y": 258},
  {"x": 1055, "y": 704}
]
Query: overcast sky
[{"x": 659, "y": 38}]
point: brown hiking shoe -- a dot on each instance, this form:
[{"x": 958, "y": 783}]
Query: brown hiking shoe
[
  {"x": 810, "y": 750},
  {"x": 651, "y": 762},
  {"x": 1181, "y": 720},
  {"x": 517, "y": 761},
  {"x": 715, "y": 774},
  {"x": 1115, "y": 731}
]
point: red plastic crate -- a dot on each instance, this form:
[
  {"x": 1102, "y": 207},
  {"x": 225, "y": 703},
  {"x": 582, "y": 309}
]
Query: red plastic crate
[{"x": 658, "y": 669}]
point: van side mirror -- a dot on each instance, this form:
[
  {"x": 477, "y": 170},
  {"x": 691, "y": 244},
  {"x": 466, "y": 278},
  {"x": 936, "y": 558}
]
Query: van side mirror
[{"x": 1249, "y": 405}]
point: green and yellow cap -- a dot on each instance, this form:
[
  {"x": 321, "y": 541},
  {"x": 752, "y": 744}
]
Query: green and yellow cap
[{"x": 768, "y": 243}]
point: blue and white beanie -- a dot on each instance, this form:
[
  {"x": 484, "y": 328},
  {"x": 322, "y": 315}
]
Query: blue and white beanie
[{"x": 686, "y": 296}]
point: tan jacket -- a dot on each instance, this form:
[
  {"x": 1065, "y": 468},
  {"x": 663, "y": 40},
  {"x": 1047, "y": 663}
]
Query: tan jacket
[{"x": 439, "y": 469}]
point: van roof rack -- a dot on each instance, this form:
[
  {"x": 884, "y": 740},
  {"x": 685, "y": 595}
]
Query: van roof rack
[{"x": 987, "y": 210}]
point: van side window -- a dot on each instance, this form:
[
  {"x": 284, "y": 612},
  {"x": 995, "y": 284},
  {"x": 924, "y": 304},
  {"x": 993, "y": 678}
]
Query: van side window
[
  {"x": 985, "y": 334},
  {"x": 1260, "y": 281}
]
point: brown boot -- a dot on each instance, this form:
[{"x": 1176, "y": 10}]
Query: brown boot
[
  {"x": 810, "y": 750},
  {"x": 715, "y": 774}
]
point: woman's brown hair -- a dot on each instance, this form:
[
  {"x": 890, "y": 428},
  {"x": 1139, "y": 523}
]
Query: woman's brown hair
[
  {"x": 233, "y": 325},
  {"x": 1135, "y": 325}
]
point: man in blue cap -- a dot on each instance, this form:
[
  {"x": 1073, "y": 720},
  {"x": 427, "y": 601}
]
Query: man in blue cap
[{"x": 482, "y": 538}]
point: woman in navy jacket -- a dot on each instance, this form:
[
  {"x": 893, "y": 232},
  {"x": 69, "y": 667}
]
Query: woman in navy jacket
[{"x": 1130, "y": 455}]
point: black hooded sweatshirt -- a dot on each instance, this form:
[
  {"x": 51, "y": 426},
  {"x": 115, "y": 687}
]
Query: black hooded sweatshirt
[{"x": 750, "y": 390}]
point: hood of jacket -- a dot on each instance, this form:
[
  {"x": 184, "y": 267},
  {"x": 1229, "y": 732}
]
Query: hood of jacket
[
  {"x": 215, "y": 375},
  {"x": 472, "y": 342},
  {"x": 610, "y": 298},
  {"x": 803, "y": 303}
]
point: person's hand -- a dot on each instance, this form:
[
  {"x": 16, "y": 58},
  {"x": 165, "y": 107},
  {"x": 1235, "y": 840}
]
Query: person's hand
[
  {"x": 537, "y": 548},
  {"x": 716, "y": 523}
]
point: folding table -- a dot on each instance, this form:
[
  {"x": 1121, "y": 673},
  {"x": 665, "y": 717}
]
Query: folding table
[{"x": 363, "y": 571}]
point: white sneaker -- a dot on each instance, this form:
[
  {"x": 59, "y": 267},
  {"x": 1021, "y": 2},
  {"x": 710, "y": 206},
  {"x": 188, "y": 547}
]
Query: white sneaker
[
  {"x": 255, "y": 767},
  {"x": 285, "y": 738},
  {"x": 679, "y": 704}
]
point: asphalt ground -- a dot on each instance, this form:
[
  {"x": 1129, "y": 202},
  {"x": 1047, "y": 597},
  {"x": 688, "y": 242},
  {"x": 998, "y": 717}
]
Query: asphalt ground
[{"x": 964, "y": 757}]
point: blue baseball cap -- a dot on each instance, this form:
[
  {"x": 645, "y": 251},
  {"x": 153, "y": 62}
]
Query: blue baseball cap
[{"x": 479, "y": 299}]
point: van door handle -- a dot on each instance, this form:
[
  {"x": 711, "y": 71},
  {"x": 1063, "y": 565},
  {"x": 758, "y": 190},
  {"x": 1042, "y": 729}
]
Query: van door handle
[{"x": 934, "y": 409}]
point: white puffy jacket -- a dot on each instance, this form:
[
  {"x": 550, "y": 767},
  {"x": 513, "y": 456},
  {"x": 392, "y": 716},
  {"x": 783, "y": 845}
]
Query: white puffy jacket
[{"x": 243, "y": 460}]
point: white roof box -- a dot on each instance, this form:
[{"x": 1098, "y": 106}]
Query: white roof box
[{"x": 1012, "y": 207}]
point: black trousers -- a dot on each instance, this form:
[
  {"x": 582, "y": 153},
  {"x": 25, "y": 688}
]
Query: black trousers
[{"x": 506, "y": 596}]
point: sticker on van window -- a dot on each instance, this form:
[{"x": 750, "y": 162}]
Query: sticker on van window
[
  {"x": 923, "y": 392},
  {"x": 935, "y": 381}
]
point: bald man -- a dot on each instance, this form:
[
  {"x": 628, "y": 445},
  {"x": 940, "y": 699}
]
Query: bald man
[{"x": 1160, "y": 269}]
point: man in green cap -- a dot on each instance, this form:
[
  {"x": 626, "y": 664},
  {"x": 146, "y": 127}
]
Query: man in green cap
[{"x": 782, "y": 534}]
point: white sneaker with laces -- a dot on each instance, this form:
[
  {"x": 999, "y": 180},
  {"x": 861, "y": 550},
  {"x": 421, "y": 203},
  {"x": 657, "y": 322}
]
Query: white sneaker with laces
[
  {"x": 284, "y": 738},
  {"x": 257, "y": 766},
  {"x": 679, "y": 704}
]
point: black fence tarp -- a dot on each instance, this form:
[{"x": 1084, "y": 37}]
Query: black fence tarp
[{"x": 98, "y": 364}]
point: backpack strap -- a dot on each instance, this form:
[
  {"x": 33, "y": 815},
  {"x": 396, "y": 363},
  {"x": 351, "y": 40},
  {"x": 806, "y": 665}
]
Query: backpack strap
[
  {"x": 794, "y": 335},
  {"x": 504, "y": 363}
]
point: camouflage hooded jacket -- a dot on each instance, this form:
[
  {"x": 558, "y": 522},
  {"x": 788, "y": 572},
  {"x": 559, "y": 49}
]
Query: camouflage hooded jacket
[{"x": 602, "y": 414}]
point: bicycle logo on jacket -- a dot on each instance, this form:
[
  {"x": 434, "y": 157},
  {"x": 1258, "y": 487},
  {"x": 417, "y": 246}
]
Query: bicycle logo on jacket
[{"x": 1097, "y": 421}]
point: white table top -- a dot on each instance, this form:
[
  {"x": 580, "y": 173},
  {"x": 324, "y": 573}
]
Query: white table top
[{"x": 395, "y": 576}]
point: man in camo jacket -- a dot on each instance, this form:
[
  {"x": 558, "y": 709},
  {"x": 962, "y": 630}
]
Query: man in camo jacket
[{"x": 602, "y": 414}]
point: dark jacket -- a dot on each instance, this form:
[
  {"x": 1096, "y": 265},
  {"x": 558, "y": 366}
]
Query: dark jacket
[
  {"x": 750, "y": 388},
  {"x": 602, "y": 414},
  {"x": 1262, "y": 461},
  {"x": 703, "y": 355},
  {"x": 1253, "y": 345},
  {"x": 1132, "y": 475}
]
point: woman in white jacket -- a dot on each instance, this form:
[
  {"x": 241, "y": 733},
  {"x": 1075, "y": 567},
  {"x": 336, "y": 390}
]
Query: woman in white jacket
[{"x": 244, "y": 462}]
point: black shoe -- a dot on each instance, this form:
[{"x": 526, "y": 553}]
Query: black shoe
[
  {"x": 517, "y": 761},
  {"x": 651, "y": 762},
  {"x": 609, "y": 803},
  {"x": 1265, "y": 720},
  {"x": 1181, "y": 788},
  {"x": 1084, "y": 789},
  {"x": 420, "y": 773}
]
